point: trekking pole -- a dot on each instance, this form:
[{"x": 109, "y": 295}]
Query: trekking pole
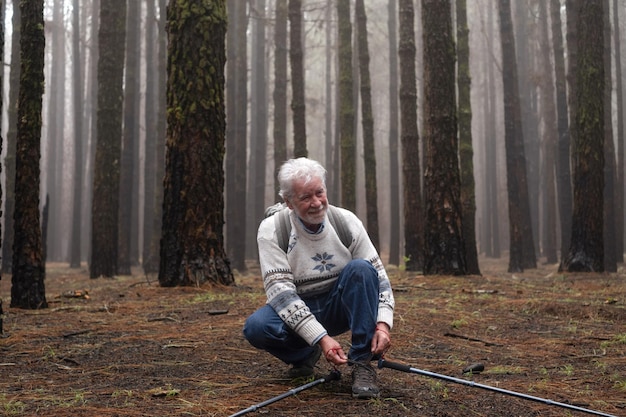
[
  {"x": 382, "y": 363},
  {"x": 333, "y": 376}
]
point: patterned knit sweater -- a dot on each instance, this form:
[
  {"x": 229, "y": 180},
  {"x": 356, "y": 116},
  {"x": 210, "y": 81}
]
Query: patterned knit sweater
[{"x": 311, "y": 267}]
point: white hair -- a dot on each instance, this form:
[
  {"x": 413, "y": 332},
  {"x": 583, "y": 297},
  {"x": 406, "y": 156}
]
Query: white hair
[{"x": 302, "y": 169}]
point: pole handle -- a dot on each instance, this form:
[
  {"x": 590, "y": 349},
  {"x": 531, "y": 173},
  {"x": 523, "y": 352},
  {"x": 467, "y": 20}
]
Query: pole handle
[{"x": 393, "y": 365}]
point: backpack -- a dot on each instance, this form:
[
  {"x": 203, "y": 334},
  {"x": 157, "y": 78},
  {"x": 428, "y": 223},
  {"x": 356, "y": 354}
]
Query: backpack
[{"x": 283, "y": 225}]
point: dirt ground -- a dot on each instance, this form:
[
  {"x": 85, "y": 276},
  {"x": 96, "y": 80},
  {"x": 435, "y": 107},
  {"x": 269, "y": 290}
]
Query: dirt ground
[{"x": 127, "y": 347}]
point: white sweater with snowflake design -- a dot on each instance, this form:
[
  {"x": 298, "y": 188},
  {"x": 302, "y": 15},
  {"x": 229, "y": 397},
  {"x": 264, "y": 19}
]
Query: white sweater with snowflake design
[{"x": 311, "y": 267}]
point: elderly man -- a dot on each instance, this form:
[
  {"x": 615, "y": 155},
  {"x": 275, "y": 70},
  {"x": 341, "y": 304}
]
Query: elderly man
[{"x": 320, "y": 284}]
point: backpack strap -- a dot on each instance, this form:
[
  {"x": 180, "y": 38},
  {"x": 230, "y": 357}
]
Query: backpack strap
[
  {"x": 336, "y": 219},
  {"x": 283, "y": 227}
]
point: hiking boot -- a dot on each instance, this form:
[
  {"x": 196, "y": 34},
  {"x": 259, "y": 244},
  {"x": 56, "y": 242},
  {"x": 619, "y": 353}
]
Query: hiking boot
[
  {"x": 306, "y": 369},
  {"x": 364, "y": 381}
]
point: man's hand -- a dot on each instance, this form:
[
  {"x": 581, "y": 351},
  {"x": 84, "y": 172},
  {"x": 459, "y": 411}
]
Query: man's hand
[
  {"x": 381, "y": 342},
  {"x": 333, "y": 351}
]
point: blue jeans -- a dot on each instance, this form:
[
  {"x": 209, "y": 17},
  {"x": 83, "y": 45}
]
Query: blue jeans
[{"x": 351, "y": 305}]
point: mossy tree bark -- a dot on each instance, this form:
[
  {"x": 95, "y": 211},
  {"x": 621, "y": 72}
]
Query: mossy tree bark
[{"x": 192, "y": 244}]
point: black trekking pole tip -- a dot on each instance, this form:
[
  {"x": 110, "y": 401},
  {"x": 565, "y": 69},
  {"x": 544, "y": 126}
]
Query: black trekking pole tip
[
  {"x": 334, "y": 375},
  {"x": 475, "y": 368}
]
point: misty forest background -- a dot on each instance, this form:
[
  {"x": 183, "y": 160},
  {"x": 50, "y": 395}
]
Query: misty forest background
[{"x": 142, "y": 134}]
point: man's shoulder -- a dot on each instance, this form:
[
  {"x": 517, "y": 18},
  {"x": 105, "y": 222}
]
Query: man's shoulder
[{"x": 344, "y": 214}]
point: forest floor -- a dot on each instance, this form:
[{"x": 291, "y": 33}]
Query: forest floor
[{"x": 127, "y": 347}]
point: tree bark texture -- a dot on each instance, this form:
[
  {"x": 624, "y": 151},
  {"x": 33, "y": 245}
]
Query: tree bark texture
[
  {"x": 9, "y": 162},
  {"x": 609, "y": 232},
  {"x": 515, "y": 158},
  {"x": 151, "y": 264},
  {"x": 106, "y": 183},
  {"x": 296, "y": 59},
  {"x": 237, "y": 156},
  {"x": 586, "y": 251},
  {"x": 27, "y": 284},
  {"x": 280, "y": 91},
  {"x": 619, "y": 185},
  {"x": 466, "y": 151},
  {"x": 563, "y": 173},
  {"x": 130, "y": 137},
  {"x": 192, "y": 248},
  {"x": 77, "y": 98},
  {"x": 549, "y": 143},
  {"x": 394, "y": 116},
  {"x": 443, "y": 241},
  {"x": 367, "y": 120},
  {"x": 409, "y": 139},
  {"x": 347, "y": 137}
]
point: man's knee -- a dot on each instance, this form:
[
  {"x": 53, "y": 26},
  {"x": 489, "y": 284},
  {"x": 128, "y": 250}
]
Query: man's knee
[
  {"x": 253, "y": 329},
  {"x": 360, "y": 269}
]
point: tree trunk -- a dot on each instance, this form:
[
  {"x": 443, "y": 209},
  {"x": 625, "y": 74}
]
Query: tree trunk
[
  {"x": 466, "y": 152},
  {"x": 258, "y": 129},
  {"x": 444, "y": 244},
  {"x": 296, "y": 59},
  {"x": 192, "y": 246},
  {"x": 610, "y": 262},
  {"x": 77, "y": 98},
  {"x": 53, "y": 142},
  {"x": 2, "y": 15},
  {"x": 492, "y": 218},
  {"x": 28, "y": 289},
  {"x": 409, "y": 138},
  {"x": 330, "y": 148},
  {"x": 549, "y": 142},
  {"x": 14, "y": 85},
  {"x": 236, "y": 163},
  {"x": 280, "y": 91},
  {"x": 619, "y": 92},
  {"x": 150, "y": 121},
  {"x": 347, "y": 138},
  {"x": 563, "y": 174},
  {"x": 106, "y": 183},
  {"x": 130, "y": 137},
  {"x": 152, "y": 263},
  {"x": 394, "y": 116},
  {"x": 369, "y": 151},
  {"x": 517, "y": 187},
  {"x": 586, "y": 251},
  {"x": 525, "y": 63}
]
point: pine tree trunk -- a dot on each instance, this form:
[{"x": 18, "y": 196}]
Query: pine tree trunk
[
  {"x": 106, "y": 182},
  {"x": 280, "y": 91},
  {"x": 394, "y": 117},
  {"x": 466, "y": 152},
  {"x": 444, "y": 244},
  {"x": 78, "y": 94},
  {"x": 192, "y": 245},
  {"x": 586, "y": 252},
  {"x": 237, "y": 134},
  {"x": 409, "y": 138},
  {"x": 549, "y": 124},
  {"x": 519, "y": 226},
  {"x": 296, "y": 59},
  {"x": 563, "y": 174},
  {"x": 9, "y": 162},
  {"x": 28, "y": 289},
  {"x": 345, "y": 109},
  {"x": 369, "y": 151},
  {"x": 130, "y": 137},
  {"x": 151, "y": 264},
  {"x": 619, "y": 185}
]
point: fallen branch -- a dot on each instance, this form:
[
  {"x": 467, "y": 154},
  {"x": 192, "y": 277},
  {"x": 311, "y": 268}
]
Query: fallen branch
[{"x": 472, "y": 339}]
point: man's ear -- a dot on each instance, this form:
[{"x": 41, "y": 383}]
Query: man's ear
[{"x": 288, "y": 203}]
